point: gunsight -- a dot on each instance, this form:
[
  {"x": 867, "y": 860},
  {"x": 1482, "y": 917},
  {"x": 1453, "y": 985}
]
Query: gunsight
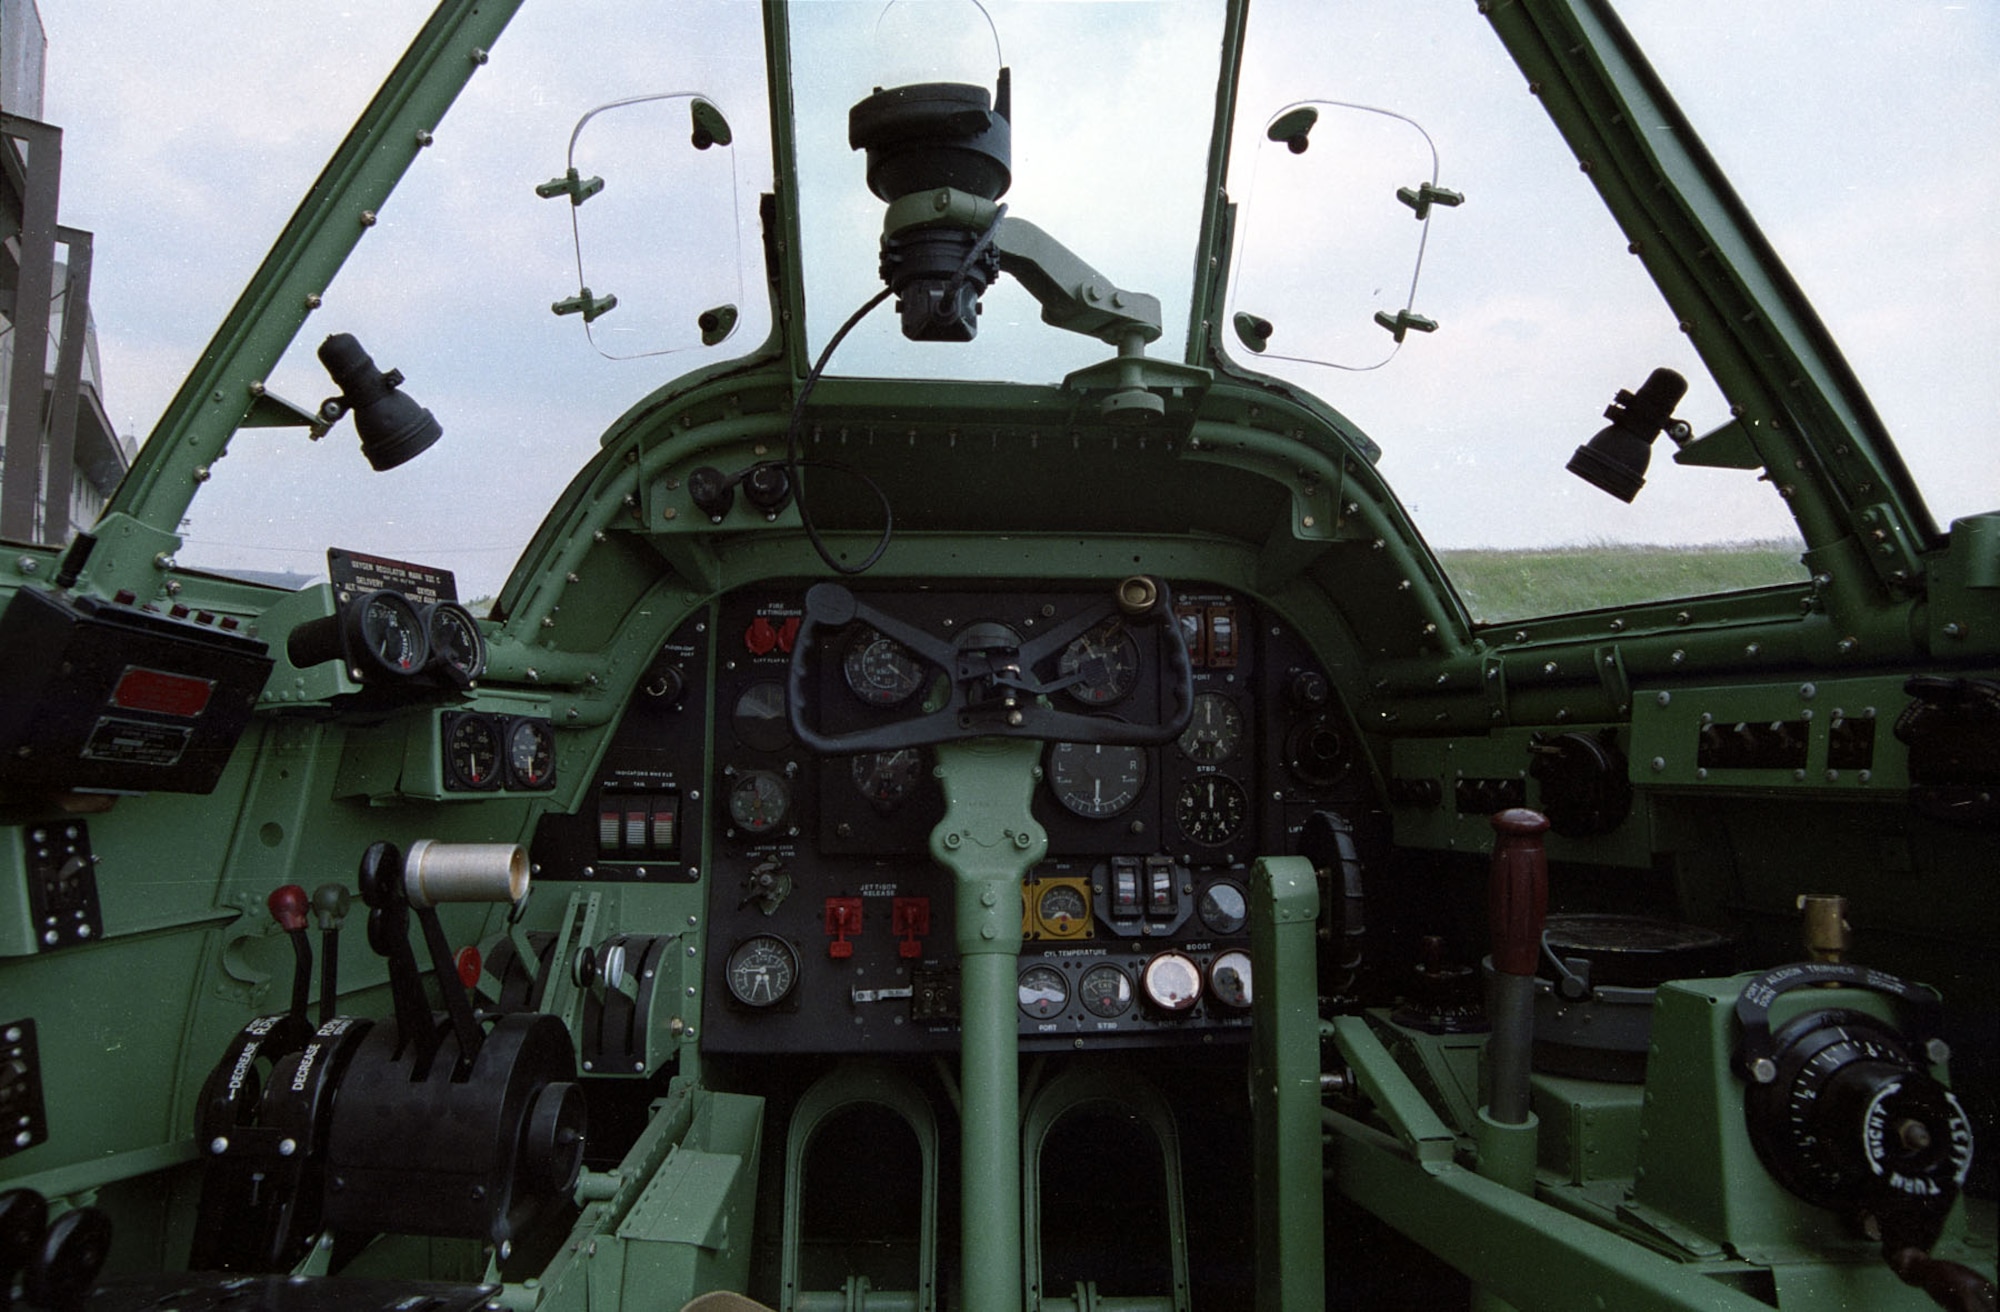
[{"x": 937, "y": 136}]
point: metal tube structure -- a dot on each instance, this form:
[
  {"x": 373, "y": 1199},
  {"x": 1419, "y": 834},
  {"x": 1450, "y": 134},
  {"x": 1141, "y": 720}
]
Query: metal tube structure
[{"x": 989, "y": 841}]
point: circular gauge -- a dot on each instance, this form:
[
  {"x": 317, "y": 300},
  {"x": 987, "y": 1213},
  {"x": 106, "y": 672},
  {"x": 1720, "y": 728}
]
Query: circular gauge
[
  {"x": 1043, "y": 991},
  {"x": 761, "y": 971},
  {"x": 1215, "y": 729},
  {"x": 457, "y": 645},
  {"x": 1061, "y": 908},
  {"x": 758, "y": 801},
  {"x": 886, "y": 778},
  {"x": 1210, "y": 809},
  {"x": 1096, "y": 781},
  {"x": 1223, "y": 907},
  {"x": 472, "y": 752},
  {"x": 759, "y": 718},
  {"x": 385, "y": 631},
  {"x": 881, "y": 671},
  {"x": 1105, "y": 991},
  {"x": 531, "y": 754},
  {"x": 1172, "y": 982},
  {"x": 1106, "y": 663},
  {"x": 1229, "y": 979}
]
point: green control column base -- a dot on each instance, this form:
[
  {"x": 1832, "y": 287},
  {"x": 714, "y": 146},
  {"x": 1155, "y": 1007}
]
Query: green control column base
[{"x": 989, "y": 842}]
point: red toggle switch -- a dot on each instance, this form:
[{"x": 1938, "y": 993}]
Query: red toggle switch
[
  {"x": 843, "y": 917},
  {"x": 760, "y": 637},
  {"x": 788, "y": 633},
  {"x": 910, "y": 920}
]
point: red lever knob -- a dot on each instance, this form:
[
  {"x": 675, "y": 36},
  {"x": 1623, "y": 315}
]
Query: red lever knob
[
  {"x": 1517, "y": 898},
  {"x": 288, "y": 907}
]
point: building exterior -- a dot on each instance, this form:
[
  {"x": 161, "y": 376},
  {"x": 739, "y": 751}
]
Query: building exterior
[{"x": 60, "y": 458}]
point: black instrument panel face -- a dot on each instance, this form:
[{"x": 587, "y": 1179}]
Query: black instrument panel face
[
  {"x": 830, "y": 926},
  {"x": 642, "y": 820}
]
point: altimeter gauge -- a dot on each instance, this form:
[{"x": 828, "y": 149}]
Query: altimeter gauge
[
  {"x": 1105, "y": 663},
  {"x": 881, "y": 671}
]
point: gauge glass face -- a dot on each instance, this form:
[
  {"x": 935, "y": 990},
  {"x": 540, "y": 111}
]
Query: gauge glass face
[
  {"x": 758, "y": 801},
  {"x": 1105, "y": 991},
  {"x": 1096, "y": 781},
  {"x": 531, "y": 753},
  {"x": 1061, "y": 907},
  {"x": 456, "y": 641},
  {"x": 1172, "y": 982},
  {"x": 886, "y": 778},
  {"x": 1223, "y": 907},
  {"x": 393, "y": 632},
  {"x": 881, "y": 671},
  {"x": 1210, "y": 810},
  {"x": 1215, "y": 729},
  {"x": 1043, "y": 991},
  {"x": 1229, "y": 979},
  {"x": 762, "y": 971},
  {"x": 1105, "y": 662},
  {"x": 759, "y": 718},
  {"x": 472, "y": 752}
]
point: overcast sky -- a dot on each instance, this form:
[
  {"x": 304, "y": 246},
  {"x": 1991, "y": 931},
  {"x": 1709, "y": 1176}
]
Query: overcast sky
[{"x": 1863, "y": 132}]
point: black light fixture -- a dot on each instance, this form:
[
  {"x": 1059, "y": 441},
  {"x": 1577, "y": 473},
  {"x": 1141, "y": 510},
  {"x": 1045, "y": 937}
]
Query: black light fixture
[
  {"x": 1615, "y": 460},
  {"x": 393, "y": 427}
]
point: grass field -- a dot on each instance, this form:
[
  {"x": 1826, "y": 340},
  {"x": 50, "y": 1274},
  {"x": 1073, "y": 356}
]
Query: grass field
[{"x": 1512, "y": 585}]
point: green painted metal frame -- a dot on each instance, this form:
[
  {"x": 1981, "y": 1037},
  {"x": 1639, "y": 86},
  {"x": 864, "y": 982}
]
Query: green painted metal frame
[
  {"x": 842, "y": 1088},
  {"x": 1285, "y": 1085},
  {"x": 139, "y": 525},
  {"x": 1083, "y": 1086},
  {"x": 1741, "y": 308},
  {"x": 989, "y": 841}
]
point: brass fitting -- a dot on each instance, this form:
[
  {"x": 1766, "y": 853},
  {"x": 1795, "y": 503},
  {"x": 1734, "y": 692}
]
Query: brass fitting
[{"x": 1827, "y": 934}]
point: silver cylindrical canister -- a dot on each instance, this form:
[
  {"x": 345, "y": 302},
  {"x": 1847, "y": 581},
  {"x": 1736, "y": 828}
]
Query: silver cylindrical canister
[{"x": 436, "y": 872}]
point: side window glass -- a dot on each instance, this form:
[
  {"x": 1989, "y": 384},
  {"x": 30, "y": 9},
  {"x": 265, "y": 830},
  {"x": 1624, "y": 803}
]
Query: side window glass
[
  {"x": 653, "y": 188},
  {"x": 1535, "y": 316}
]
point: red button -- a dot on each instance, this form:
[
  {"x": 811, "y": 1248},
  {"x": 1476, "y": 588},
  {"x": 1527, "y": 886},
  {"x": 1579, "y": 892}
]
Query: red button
[{"x": 760, "y": 637}]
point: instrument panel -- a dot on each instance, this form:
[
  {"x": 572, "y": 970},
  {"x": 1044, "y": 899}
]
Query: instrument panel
[{"x": 830, "y": 927}]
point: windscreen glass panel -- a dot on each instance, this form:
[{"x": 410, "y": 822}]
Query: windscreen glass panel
[
  {"x": 1861, "y": 137},
  {"x": 1113, "y": 106},
  {"x": 455, "y": 281},
  {"x": 1529, "y": 318}
]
